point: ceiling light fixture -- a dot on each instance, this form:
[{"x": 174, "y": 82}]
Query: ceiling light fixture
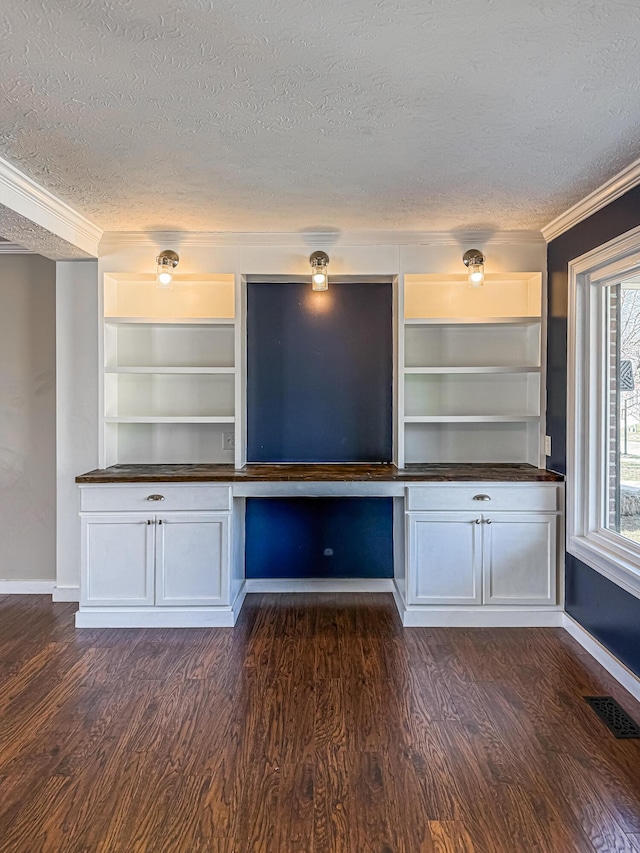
[
  {"x": 474, "y": 260},
  {"x": 319, "y": 276},
  {"x": 167, "y": 261}
]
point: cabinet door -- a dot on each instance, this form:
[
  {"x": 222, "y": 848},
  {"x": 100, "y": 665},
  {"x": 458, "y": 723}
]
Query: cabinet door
[
  {"x": 519, "y": 558},
  {"x": 192, "y": 560},
  {"x": 445, "y": 559},
  {"x": 117, "y": 560}
]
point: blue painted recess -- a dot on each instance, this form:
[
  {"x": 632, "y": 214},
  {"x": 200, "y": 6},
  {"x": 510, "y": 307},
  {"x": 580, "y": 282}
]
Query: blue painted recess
[
  {"x": 319, "y": 373},
  {"x": 289, "y": 538}
]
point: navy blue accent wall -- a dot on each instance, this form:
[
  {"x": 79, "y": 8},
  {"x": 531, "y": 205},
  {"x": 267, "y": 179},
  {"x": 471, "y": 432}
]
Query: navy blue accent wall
[
  {"x": 319, "y": 373},
  {"x": 288, "y": 537},
  {"x": 606, "y": 611}
]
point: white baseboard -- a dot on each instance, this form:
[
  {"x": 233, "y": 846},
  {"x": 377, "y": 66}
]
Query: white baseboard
[
  {"x": 478, "y": 617},
  {"x": 26, "y": 587},
  {"x": 398, "y": 598},
  {"x": 236, "y": 607},
  {"x": 161, "y": 617},
  {"x": 320, "y": 585},
  {"x": 66, "y": 593},
  {"x": 613, "y": 666}
]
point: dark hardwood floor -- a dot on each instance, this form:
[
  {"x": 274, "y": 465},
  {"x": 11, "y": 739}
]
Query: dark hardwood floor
[{"x": 318, "y": 724}]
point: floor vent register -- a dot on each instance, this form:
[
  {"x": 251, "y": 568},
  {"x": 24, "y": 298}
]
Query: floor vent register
[{"x": 614, "y": 717}]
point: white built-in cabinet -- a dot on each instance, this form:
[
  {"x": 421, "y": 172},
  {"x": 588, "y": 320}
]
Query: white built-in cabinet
[
  {"x": 466, "y": 556},
  {"x": 158, "y": 547},
  {"x": 173, "y": 559},
  {"x": 471, "y": 365}
]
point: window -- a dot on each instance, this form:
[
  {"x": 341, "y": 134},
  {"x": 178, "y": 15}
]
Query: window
[
  {"x": 622, "y": 430},
  {"x": 603, "y": 475}
]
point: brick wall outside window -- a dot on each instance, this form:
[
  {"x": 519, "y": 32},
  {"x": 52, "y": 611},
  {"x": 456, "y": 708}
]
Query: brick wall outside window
[{"x": 614, "y": 413}]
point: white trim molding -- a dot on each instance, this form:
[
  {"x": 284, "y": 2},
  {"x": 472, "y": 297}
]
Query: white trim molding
[
  {"x": 26, "y": 587},
  {"x": 303, "y": 240},
  {"x": 320, "y": 585},
  {"x": 66, "y": 592},
  {"x": 608, "y": 553},
  {"x": 617, "y": 186},
  {"x": 27, "y": 198},
  {"x": 7, "y": 248},
  {"x": 613, "y": 666}
]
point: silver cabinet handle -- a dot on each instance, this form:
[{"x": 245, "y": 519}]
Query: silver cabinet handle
[
  {"x": 482, "y": 497},
  {"x": 488, "y": 521},
  {"x": 155, "y": 498},
  {"x": 478, "y": 521}
]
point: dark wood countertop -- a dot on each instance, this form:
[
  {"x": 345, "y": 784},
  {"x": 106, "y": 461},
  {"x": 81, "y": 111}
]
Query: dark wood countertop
[{"x": 319, "y": 473}]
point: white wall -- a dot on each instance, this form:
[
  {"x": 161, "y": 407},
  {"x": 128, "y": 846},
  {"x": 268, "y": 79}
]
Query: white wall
[
  {"x": 77, "y": 408},
  {"x": 27, "y": 418}
]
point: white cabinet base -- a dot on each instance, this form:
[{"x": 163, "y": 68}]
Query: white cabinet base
[
  {"x": 472, "y": 616},
  {"x": 165, "y": 617},
  {"x": 151, "y": 569}
]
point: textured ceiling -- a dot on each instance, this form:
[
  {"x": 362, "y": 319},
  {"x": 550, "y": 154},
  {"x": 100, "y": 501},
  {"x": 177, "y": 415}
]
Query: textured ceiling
[{"x": 281, "y": 115}]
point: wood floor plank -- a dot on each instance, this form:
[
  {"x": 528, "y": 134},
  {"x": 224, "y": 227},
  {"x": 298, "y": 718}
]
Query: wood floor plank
[
  {"x": 407, "y": 806},
  {"x": 634, "y": 841},
  {"x": 450, "y": 836},
  {"x": 318, "y": 724},
  {"x": 334, "y": 812},
  {"x": 295, "y": 806},
  {"x": 590, "y": 808}
]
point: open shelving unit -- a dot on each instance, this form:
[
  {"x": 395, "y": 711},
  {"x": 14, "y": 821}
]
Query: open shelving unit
[
  {"x": 170, "y": 371},
  {"x": 471, "y": 372}
]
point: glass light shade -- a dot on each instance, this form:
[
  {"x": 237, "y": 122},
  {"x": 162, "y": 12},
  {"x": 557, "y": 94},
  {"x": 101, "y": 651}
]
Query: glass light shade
[
  {"x": 319, "y": 278},
  {"x": 165, "y": 276},
  {"x": 476, "y": 275}
]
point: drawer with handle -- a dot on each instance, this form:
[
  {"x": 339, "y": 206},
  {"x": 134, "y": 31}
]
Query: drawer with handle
[
  {"x": 484, "y": 497},
  {"x": 154, "y": 497}
]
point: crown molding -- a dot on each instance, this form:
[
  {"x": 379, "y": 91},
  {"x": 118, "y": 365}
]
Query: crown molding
[
  {"x": 617, "y": 186},
  {"x": 27, "y": 198},
  {"x": 217, "y": 239},
  {"x": 7, "y": 248}
]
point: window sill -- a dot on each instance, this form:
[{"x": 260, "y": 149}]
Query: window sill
[{"x": 613, "y": 563}]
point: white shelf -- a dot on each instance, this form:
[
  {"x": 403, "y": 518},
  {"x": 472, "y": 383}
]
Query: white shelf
[
  {"x": 444, "y": 370},
  {"x": 472, "y": 321},
  {"x": 152, "y": 321},
  {"x": 170, "y": 368},
  {"x": 151, "y": 370},
  {"x": 470, "y": 419},
  {"x": 470, "y": 442},
  {"x": 150, "y": 419},
  {"x": 471, "y": 385}
]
